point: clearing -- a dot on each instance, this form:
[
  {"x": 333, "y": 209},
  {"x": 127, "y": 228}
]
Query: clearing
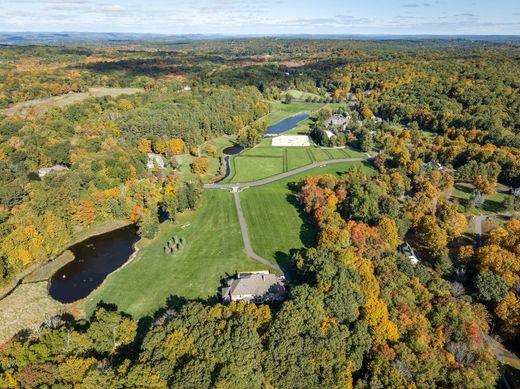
[
  {"x": 213, "y": 249},
  {"x": 41, "y": 106},
  {"x": 493, "y": 203}
]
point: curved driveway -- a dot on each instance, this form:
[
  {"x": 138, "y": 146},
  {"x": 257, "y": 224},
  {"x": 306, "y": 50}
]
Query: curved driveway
[{"x": 243, "y": 225}]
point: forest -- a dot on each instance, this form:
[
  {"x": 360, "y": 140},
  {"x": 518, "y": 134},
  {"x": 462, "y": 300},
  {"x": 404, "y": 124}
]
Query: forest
[{"x": 440, "y": 122}]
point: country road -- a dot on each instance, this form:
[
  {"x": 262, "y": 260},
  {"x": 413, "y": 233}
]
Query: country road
[{"x": 281, "y": 176}]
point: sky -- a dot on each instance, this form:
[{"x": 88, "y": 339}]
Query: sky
[{"x": 264, "y": 17}]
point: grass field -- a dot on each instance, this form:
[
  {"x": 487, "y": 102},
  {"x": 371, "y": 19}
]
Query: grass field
[
  {"x": 274, "y": 221},
  {"x": 493, "y": 203},
  {"x": 214, "y": 247},
  {"x": 281, "y": 111},
  {"x": 265, "y": 161},
  {"x": 299, "y": 95}
]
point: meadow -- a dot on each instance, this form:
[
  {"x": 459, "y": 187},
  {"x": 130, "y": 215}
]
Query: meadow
[{"x": 213, "y": 250}]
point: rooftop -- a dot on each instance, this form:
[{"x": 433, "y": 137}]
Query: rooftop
[{"x": 254, "y": 287}]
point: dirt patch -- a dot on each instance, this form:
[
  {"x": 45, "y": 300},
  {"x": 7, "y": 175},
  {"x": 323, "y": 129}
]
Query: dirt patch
[{"x": 45, "y": 272}]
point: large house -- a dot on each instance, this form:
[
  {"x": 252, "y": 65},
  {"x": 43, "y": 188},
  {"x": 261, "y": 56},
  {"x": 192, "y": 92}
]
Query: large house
[
  {"x": 338, "y": 121},
  {"x": 257, "y": 287},
  {"x": 155, "y": 159},
  {"x": 53, "y": 169}
]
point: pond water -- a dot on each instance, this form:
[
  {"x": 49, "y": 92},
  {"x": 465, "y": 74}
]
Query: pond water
[
  {"x": 287, "y": 124},
  {"x": 232, "y": 150},
  {"x": 95, "y": 258}
]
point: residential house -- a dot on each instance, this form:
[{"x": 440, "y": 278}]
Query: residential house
[
  {"x": 53, "y": 169},
  {"x": 257, "y": 287},
  {"x": 155, "y": 159}
]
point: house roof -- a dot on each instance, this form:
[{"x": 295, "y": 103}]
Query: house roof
[{"x": 253, "y": 284}]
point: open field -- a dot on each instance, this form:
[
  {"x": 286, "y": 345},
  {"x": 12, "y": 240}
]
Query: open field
[
  {"x": 40, "y": 106},
  {"x": 274, "y": 221},
  {"x": 265, "y": 161},
  {"x": 214, "y": 248},
  {"x": 26, "y": 308},
  {"x": 302, "y": 96},
  {"x": 281, "y": 111},
  {"x": 493, "y": 203}
]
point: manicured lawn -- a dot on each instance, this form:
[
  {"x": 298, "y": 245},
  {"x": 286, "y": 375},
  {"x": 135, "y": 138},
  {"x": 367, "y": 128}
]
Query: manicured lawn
[
  {"x": 274, "y": 221},
  {"x": 264, "y": 151},
  {"x": 319, "y": 154},
  {"x": 492, "y": 204},
  {"x": 265, "y": 161},
  {"x": 297, "y": 156},
  {"x": 255, "y": 168},
  {"x": 214, "y": 247}
]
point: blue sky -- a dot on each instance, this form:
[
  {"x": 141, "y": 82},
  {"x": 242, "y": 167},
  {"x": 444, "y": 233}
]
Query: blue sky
[{"x": 264, "y": 16}]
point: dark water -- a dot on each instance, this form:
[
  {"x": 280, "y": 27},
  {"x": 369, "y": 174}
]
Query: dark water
[
  {"x": 287, "y": 124},
  {"x": 95, "y": 258},
  {"x": 232, "y": 150}
]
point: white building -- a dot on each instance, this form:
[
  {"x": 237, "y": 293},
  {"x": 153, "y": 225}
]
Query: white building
[
  {"x": 53, "y": 169},
  {"x": 256, "y": 287},
  {"x": 329, "y": 134},
  {"x": 291, "y": 141},
  {"x": 155, "y": 159},
  {"x": 186, "y": 88}
]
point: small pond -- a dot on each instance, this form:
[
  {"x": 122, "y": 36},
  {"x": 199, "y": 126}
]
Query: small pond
[
  {"x": 287, "y": 124},
  {"x": 232, "y": 150},
  {"x": 95, "y": 258}
]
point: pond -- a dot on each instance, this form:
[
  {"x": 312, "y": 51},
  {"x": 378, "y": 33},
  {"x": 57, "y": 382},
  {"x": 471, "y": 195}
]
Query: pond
[
  {"x": 95, "y": 258},
  {"x": 287, "y": 124},
  {"x": 232, "y": 150}
]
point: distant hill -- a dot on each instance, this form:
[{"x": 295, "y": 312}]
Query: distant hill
[{"x": 57, "y": 38}]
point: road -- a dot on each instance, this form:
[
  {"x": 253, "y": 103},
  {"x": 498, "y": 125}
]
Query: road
[{"x": 281, "y": 176}]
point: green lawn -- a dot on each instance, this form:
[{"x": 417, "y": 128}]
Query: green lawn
[
  {"x": 298, "y": 156},
  {"x": 249, "y": 169},
  {"x": 265, "y": 161},
  {"x": 214, "y": 247},
  {"x": 273, "y": 217},
  {"x": 492, "y": 204}
]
